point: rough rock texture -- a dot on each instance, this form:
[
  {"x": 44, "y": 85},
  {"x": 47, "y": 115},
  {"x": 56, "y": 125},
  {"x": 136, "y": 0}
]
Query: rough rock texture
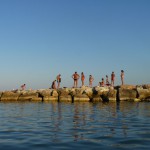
[
  {"x": 83, "y": 94},
  {"x": 126, "y": 94},
  {"x": 9, "y": 96},
  {"x": 44, "y": 94},
  {"x": 81, "y": 98},
  {"x": 146, "y": 86},
  {"x": 29, "y": 96},
  {"x": 112, "y": 95},
  {"x": 143, "y": 94},
  {"x": 67, "y": 98}
]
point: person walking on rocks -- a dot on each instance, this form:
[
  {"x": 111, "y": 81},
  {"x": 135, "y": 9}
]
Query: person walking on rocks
[
  {"x": 58, "y": 78},
  {"x": 112, "y": 78},
  {"x": 122, "y": 77},
  {"x": 82, "y": 78},
  {"x": 75, "y": 77},
  {"x": 91, "y": 79}
]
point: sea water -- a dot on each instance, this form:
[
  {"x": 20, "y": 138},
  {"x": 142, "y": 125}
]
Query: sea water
[{"x": 53, "y": 125}]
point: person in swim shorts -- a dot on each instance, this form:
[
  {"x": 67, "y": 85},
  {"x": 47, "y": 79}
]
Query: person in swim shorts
[{"x": 75, "y": 77}]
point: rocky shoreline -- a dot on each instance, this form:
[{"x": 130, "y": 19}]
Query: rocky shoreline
[{"x": 83, "y": 94}]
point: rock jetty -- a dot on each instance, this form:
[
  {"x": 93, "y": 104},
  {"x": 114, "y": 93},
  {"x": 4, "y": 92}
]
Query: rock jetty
[{"x": 83, "y": 94}]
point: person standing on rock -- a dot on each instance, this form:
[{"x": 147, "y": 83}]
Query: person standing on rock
[
  {"x": 91, "y": 79},
  {"x": 82, "y": 78},
  {"x": 112, "y": 78},
  {"x": 122, "y": 77},
  {"x": 58, "y": 78},
  {"x": 75, "y": 77},
  {"x": 107, "y": 80}
]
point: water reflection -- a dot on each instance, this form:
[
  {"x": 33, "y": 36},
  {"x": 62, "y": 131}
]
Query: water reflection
[{"x": 53, "y": 123}]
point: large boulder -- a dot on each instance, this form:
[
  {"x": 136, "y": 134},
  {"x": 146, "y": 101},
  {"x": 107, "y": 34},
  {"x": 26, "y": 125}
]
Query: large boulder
[
  {"x": 143, "y": 94},
  {"x": 54, "y": 93},
  {"x": 63, "y": 92},
  {"x": 146, "y": 86},
  {"x": 44, "y": 94},
  {"x": 9, "y": 96},
  {"x": 29, "y": 96},
  {"x": 126, "y": 86},
  {"x": 126, "y": 94},
  {"x": 89, "y": 92},
  {"x": 112, "y": 95},
  {"x": 81, "y": 98},
  {"x": 67, "y": 98},
  {"x": 96, "y": 99}
]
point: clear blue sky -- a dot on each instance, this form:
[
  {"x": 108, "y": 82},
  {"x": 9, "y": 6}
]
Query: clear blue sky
[{"x": 42, "y": 38}]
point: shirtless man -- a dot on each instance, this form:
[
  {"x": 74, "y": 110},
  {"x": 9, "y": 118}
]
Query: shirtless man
[
  {"x": 75, "y": 77},
  {"x": 122, "y": 77}
]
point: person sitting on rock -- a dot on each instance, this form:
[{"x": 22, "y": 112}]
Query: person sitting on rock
[
  {"x": 102, "y": 84},
  {"x": 23, "y": 87},
  {"x": 53, "y": 86}
]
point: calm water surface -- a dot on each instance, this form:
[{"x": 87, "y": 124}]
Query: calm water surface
[{"x": 53, "y": 125}]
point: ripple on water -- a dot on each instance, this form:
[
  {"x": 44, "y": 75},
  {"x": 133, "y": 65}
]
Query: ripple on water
[{"x": 72, "y": 126}]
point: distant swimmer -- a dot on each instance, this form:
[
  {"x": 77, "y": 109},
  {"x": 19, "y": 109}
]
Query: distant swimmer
[
  {"x": 75, "y": 77},
  {"x": 82, "y": 78},
  {"x": 122, "y": 77},
  {"x": 58, "y": 78},
  {"x": 91, "y": 79}
]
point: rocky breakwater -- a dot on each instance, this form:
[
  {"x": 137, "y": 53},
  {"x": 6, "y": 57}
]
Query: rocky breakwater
[{"x": 83, "y": 94}]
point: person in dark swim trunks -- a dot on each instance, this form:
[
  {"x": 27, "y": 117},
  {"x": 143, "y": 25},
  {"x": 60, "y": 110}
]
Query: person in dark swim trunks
[{"x": 75, "y": 77}]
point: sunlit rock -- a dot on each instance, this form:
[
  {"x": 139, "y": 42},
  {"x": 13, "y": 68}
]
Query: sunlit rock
[
  {"x": 9, "y": 96},
  {"x": 126, "y": 94},
  {"x": 143, "y": 94}
]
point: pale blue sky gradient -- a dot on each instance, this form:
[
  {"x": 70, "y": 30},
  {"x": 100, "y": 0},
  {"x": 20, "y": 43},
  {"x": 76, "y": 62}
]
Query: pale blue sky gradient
[{"x": 42, "y": 38}]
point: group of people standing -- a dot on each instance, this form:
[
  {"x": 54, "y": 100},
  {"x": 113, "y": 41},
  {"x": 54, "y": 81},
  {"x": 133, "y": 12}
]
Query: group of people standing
[{"x": 76, "y": 77}]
